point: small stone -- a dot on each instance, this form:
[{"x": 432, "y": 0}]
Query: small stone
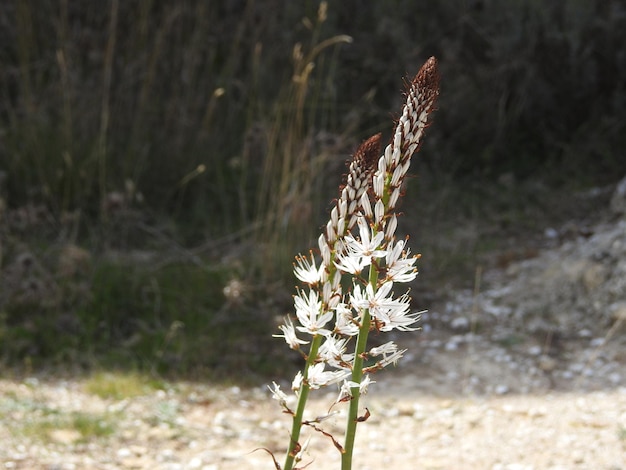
[
  {"x": 195, "y": 462},
  {"x": 551, "y": 233},
  {"x": 618, "y": 311},
  {"x": 124, "y": 452},
  {"x": 460, "y": 323},
  {"x": 501, "y": 389},
  {"x": 596, "y": 342}
]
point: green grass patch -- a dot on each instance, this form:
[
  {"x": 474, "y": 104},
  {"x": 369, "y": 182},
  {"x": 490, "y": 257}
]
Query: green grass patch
[
  {"x": 68, "y": 428},
  {"x": 121, "y": 385},
  {"x": 40, "y": 421}
]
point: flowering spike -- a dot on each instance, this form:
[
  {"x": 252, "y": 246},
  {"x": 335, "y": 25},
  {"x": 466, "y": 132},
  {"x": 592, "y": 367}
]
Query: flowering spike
[{"x": 335, "y": 319}]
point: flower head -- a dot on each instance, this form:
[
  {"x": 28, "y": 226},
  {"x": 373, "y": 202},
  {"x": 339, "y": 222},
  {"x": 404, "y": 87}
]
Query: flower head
[
  {"x": 400, "y": 267},
  {"x": 319, "y": 377},
  {"x": 308, "y": 272},
  {"x": 279, "y": 395},
  {"x": 368, "y": 246},
  {"x": 346, "y": 388},
  {"x": 333, "y": 352},
  {"x": 345, "y": 324},
  {"x": 308, "y": 311},
  {"x": 289, "y": 333}
]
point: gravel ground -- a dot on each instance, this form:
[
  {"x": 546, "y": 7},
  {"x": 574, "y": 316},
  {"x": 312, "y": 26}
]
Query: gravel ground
[{"x": 198, "y": 426}]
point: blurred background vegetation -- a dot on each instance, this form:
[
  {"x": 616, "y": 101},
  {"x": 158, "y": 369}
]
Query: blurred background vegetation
[{"x": 162, "y": 162}]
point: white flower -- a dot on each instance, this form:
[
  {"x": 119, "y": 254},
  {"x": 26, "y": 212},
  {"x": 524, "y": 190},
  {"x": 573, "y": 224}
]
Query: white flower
[
  {"x": 347, "y": 386},
  {"x": 333, "y": 352},
  {"x": 400, "y": 268},
  {"x": 331, "y": 292},
  {"x": 390, "y": 359},
  {"x": 308, "y": 312},
  {"x": 401, "y": 319},
  {"x": 279, "y": 395},
  {"x": 384, "y": 349},
  {"x": 296, "y": 384},
  {"x": 345, "y": 323},
  {"x": 349, "y": 263},
  {"x": 318, "y": 377},
  {"x": 289, "y": 333},
  {"x": 308, "y": 272},
  {"x": 390, "y": 313},
  {"x": 390, "y": 353},
  {"x": 378, "y": 303},
  {"x": 368, "y": 244}
]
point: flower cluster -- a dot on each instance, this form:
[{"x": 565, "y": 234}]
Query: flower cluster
[{"x": 359, "y": 249}]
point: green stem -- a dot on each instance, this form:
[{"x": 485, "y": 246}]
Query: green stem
[
  {"x": 302, "y": 399},
  {"x": 357, "y": 376}
]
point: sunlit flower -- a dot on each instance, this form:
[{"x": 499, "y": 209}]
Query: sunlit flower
[
  {"x": 369, "y": 243},
  {"x": 384, "y": 349},
  {"x": 345, "y": 323},
  {"x": 308, "y": 272},
  {"x": 333, "y": 352},
  {"x": 347, "y": 386},
  {"x": 385, "y": 361},
  {"x": 308, "y": 311},
  {"x": 390, "y": 313},
  {"x": 289, "y": 333},
  {"x": 318, "y": 377},
  {"x": 400, "y": 319},
  {"x": 296, "y": 384},
  {"x": 351, "y": 264},
  {"x": 378, "y": 302},
  {"x": 400, "y": 267},
  {"x": 279, "y": 395}
]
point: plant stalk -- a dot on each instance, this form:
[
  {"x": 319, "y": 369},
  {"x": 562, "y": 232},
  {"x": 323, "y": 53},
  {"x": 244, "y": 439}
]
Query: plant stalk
[
  {"x": 296, "y": 426},
  {"x": 357, "y": 376}
]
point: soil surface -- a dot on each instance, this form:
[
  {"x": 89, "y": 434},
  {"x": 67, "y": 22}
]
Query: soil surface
[
  {"x": 203, "y": 427},
  {"x": 526, "y": 371}
]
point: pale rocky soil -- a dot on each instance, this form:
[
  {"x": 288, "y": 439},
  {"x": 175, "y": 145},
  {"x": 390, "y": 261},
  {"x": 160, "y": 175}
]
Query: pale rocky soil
[
  {"x": 526, "y": 372},
  {"x": 204, "y": 427}
]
